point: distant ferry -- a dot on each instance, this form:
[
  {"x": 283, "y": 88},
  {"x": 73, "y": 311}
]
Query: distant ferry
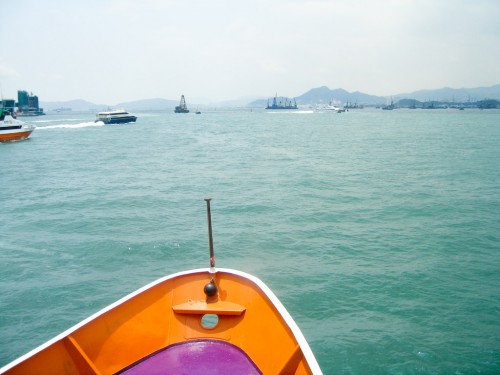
[
  {"x": 115, "y": 117},
  {"x": 283, "y": 103},
  {"x": 12, "y": 129},
  {"x": 182, "y": 107},
  {"x": 31, "y": 112}
]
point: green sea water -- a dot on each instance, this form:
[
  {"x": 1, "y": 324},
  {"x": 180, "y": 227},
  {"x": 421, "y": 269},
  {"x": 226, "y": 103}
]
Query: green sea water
[{"x": 378, "y": 230}]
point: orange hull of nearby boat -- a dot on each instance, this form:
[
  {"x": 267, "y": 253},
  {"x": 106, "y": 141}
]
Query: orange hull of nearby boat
[
  {"x": 4, "y": 137},
  {"x": 249, "y": 327},
  {"x": 196, "y": 322},
  {"x": 13, "y": 130}
]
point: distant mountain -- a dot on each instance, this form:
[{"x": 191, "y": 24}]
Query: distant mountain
[
  {"x": 325, "y": 95},
  {"x": 433, "y": 104},
  {"x": 156, "y": 104},
  {"x": 341, "y": 96},
  {"x": 458, "y": 95},
  {"x": 74, "y": 105},
  {"x": 137, "y": 105},
  {"x": 312, "y": 97}
]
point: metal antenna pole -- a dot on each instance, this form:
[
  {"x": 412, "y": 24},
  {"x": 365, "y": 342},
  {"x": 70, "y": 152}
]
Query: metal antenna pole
[{"x": 210, "y": 238}]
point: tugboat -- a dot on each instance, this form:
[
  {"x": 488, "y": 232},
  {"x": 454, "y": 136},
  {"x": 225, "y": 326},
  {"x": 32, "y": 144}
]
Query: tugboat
[{"x": 182, "y": 108}]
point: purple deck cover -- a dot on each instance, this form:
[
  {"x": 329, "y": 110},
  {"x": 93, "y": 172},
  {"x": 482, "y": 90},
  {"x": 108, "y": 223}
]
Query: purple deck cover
[{"x": 197, "y": 357}]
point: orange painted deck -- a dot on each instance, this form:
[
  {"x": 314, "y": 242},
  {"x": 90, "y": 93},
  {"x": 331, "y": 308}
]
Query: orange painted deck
[{"x": 170, "y": 311}]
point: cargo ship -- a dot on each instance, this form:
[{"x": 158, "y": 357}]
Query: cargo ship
[{"x": 281, "y": 103}]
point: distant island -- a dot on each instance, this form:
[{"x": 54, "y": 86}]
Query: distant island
[
  {"x": 138, "y": 105},
  {"x": 480, "y": 97}
]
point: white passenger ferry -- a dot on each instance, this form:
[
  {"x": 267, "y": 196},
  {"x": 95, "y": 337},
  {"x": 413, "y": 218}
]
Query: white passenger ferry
[{"x": 115, "y": 117}]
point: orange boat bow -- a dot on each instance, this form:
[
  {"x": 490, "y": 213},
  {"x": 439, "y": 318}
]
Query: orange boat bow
[{"x": 171, "y": 311}]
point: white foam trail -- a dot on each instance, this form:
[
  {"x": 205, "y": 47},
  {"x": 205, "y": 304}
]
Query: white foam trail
[
  {"x": 72, "y": 126},
  {"x": 59, "y": 120}
]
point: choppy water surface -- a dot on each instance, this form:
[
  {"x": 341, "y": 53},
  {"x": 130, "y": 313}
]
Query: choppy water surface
[{"x": 378, "y": 230}]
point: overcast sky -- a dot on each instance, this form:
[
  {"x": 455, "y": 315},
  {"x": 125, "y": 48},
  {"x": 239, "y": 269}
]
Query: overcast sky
[{"x": 111, "y": 51}]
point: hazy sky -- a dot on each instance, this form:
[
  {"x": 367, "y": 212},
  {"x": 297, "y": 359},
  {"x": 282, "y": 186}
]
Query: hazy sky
[{"x": 108, "y": 51}]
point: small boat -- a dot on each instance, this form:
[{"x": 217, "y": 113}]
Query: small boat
[
  {"x": 202, "y": 321},
  {"x": 330, "y": 107},
  {"x": 182, "y": 107},
  {"x": 115, "y": 117},
  {"x": 389, "y": 107},
  {"x": 12, "y": 129}
]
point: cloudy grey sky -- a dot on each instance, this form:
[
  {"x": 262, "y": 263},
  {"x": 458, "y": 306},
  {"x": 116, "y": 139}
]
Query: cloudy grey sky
[{"x": 110, "y": 51}]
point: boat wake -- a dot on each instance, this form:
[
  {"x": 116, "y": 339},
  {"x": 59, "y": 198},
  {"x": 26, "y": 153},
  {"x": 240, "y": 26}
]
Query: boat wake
[
  {"x": 60, "y": 120},
  {"x": 72, "y": 126}
]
